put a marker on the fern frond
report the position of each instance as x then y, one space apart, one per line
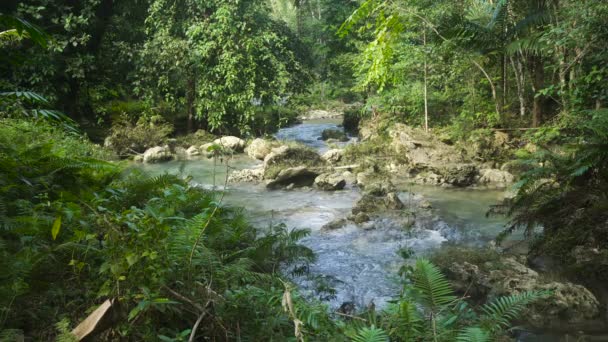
431 285
473 334
371 334
499 312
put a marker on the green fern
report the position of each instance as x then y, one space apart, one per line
432 287
371 334
498 313
473 334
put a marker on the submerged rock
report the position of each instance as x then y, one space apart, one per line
234 143
330 181
336 224
246 175
332 133
157 154
258 148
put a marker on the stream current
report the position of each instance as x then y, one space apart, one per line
360 264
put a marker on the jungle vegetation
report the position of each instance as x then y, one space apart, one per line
78 227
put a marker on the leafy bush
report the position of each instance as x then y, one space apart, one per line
561 200
126 138
77 230
268 119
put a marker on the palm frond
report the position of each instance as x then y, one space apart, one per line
499 312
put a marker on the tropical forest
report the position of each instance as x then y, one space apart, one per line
304 170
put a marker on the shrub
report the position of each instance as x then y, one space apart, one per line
127 138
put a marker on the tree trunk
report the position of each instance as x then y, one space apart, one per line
538 83
426 102
190 101
518 70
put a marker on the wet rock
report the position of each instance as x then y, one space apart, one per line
233 143
424 204
361 218
206 149
347 308
349 177
393 202
379 187
246 175
332 133
333 156
495 177
336 224
369 203
192 151
458 175
298 176
258 149
286 157
330 181
138 158
157 154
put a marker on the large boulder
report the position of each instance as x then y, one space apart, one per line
233 143
567 306
157 154
330 181
293 177
495 177
458 174
333 156
286 157
193 151
258 148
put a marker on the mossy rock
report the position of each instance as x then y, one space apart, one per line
288 157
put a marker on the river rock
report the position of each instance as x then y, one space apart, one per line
335 224
206 150
333 156
157 154
459 174
569 304
258 148
233 143
332 133
330 181
246 175
567 307
424 204
298 176
393 202
495 177
360 218
193 151
286 157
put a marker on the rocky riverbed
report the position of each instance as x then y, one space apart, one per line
362 209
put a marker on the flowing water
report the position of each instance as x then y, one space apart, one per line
360 264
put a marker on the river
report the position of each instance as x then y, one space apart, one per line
360 264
